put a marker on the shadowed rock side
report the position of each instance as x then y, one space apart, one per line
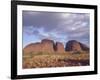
84 47
74 45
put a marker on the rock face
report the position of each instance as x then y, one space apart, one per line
60 47
74 45
45 46
84 47
49 46
33 47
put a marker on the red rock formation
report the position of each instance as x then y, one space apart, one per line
47 45
74 45
59 47
84 47
33 47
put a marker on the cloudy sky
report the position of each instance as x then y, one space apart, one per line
58 26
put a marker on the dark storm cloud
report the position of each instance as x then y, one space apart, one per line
38 19
57 26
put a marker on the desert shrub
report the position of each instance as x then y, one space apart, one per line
39 53
46 59
76 52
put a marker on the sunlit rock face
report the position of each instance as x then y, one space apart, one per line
33 47
47 45
59 47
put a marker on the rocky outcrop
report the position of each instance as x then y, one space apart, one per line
74 45
44 46
84 47
59 47
49 46
33 47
